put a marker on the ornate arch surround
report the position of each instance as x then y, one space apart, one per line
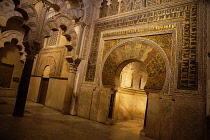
150 44
56 23
48 61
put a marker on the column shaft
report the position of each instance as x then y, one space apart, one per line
69 89
23 88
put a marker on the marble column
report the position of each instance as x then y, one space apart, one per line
112 103
69 88
142 132
23 87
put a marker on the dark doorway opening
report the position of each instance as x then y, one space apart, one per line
43 90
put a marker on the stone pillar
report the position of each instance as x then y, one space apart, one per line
23 87
70 87
82 27
142 132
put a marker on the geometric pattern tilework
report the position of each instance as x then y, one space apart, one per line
53 38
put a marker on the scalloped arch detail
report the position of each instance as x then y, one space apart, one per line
56 23
7 36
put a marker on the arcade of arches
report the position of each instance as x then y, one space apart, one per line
111 61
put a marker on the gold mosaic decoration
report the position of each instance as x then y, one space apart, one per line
108 44
139 51
164 41
186 15
136 50
157 73
141 30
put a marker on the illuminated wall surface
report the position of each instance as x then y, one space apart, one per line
112 60
187 16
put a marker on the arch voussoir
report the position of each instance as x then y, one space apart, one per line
109 60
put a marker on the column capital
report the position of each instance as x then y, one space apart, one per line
114 90
72 67
32 47
73 61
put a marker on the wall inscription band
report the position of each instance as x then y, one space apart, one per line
141 30
188 65
187 14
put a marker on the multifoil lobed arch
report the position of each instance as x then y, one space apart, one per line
10 35
57 23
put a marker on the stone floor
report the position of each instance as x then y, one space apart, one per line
43 123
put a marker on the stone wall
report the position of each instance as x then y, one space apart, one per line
188 117
129 105
8 92
34 87
93 103
50 63
180 117
55 93
177 111
104 104
84 102
10 55
175 28
153 116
